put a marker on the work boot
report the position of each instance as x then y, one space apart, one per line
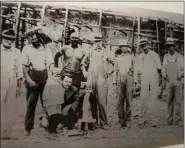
28 132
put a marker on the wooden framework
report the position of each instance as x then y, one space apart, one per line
38 11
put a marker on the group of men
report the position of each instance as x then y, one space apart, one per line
62 99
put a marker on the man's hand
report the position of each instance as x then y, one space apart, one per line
66 110
32 83
85 74
18 92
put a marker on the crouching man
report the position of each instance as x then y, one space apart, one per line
61 104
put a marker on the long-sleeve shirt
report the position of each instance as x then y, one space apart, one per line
147 65
176 57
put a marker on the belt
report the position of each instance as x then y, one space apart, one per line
38 70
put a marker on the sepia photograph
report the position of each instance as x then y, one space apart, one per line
91 74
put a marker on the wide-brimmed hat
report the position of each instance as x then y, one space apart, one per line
143 42
123 42
8 34
91 37
169 41
46 38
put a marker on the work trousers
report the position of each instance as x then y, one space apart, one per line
174 100
68 121
98 79
32 95
9 103
149 97
124 97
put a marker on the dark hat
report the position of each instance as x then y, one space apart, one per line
9 34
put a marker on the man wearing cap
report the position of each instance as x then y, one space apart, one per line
11 75
37 62
123 78
149 65
173 73
73 56
98 72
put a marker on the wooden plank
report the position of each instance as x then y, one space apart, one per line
100 20
8 16
17 24
157 30
30 19
118 28
65 25
138 31
1 22
147 35
43 12
134 27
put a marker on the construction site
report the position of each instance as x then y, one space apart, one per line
60 21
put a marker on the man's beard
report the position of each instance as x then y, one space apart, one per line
36 44
74 44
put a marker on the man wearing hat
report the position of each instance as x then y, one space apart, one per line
149 65
173 73
37 62
11 74
98 72
123 78
73 56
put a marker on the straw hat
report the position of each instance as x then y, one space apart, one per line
9 34
169 41
123 42
143 42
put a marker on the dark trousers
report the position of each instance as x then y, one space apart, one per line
68 121
124 92
32 95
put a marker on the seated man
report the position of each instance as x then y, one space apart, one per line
61 103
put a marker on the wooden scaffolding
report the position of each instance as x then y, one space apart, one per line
114 26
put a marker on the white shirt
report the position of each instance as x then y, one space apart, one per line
147 64
40 58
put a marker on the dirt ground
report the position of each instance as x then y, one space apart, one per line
115 136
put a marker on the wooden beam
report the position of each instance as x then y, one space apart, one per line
43 12
133 27
30 19
147 35
17 24
157 30
7 16
138 31
118 28
100 20
1 22
65 25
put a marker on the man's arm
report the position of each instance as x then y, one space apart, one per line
75 104
84 64
180 64
164 75
115 72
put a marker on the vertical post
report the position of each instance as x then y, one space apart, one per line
42 13
133 27
65 25
100 20
138 29
157 30
1 23
17 26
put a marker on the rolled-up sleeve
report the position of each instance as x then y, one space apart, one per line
180 64
157 61
24 57
50 59
164 66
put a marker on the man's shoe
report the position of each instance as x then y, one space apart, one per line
28 133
